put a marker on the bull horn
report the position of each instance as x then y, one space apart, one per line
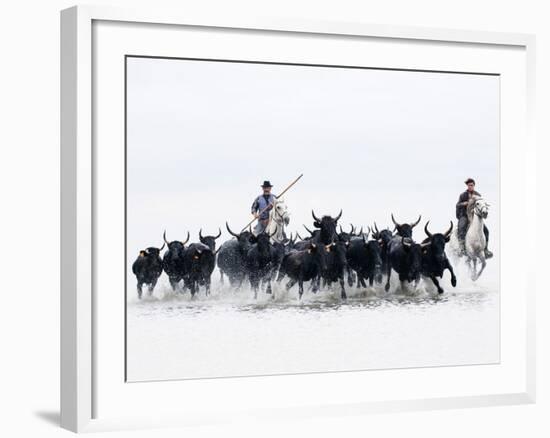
229 230
164 237
341 230
162 247
361 232
337 218
417 222
426 230
188 237
394 221
449 231
298 236
308 230
200 234
315 217
376 228
352 229
219 234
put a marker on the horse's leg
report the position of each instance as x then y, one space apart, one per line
474 268
483 264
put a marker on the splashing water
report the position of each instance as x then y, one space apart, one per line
228 333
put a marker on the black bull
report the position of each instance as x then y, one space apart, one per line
199 262
232 257
305 265
434 259
336 256
364 257
147 268
173 260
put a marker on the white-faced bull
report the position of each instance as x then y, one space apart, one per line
147 268
405 230
173 260
232 256
434 259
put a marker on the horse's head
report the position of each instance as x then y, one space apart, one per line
480 207
280 212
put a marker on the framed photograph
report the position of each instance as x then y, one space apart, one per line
284 217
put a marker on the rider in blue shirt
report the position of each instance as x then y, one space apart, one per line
260 203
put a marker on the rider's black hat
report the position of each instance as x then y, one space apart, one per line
266 184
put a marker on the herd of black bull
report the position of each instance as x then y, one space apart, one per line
326 257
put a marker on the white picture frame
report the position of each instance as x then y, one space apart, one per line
83 369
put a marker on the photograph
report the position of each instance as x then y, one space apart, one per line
287 218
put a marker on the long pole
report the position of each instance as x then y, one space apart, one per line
270 204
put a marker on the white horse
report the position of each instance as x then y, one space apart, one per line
279 217
475 242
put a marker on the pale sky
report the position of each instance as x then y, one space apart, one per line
202 136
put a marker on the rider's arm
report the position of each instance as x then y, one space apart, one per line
255 206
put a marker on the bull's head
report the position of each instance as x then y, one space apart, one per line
345 237
383 236
405 230
319 253
151 252
436 242
327 226
413 252
263 240
245 238
210 241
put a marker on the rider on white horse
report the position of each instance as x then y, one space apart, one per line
462 216
261 208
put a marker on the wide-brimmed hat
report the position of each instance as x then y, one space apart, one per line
266 184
